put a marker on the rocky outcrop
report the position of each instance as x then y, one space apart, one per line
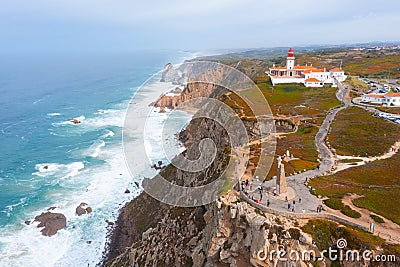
83 208
51 222
190 91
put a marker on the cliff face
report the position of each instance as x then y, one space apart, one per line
149 232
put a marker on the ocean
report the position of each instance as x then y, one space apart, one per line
47 161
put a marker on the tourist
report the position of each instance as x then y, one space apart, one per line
286 199
268 203
293 208
288 206
294 202
274 192
299 199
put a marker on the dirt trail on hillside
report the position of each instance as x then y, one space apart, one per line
387 230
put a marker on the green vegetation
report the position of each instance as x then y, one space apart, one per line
359 63
376 65
334 203
356 132
326 233
357 84
350 160
378 182
346 210
394 110
337 204
377 218
357 87
301 145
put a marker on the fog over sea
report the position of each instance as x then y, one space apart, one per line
48 161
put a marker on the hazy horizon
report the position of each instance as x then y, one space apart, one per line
106 25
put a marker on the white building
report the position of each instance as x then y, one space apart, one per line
308 75
373 98
313 82
391 99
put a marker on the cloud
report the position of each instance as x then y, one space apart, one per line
120 24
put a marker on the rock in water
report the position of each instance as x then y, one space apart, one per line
80 211
127 191
83 208
52 222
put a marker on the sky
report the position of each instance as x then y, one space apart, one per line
126 25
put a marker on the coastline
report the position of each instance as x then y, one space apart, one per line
97 175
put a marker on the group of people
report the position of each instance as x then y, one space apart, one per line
247 187
319 208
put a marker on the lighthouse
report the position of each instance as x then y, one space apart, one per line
290 61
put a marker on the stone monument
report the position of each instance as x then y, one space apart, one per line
281 186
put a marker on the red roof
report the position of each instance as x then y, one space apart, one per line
375 96
336 70
312 80
393 95
314 70
304 67
290 53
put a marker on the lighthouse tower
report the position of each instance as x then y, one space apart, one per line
290 62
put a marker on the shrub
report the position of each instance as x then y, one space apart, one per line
334 203
346 210
377 218
294 233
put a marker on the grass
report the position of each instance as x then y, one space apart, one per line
357 85
376 65
326 233
296 99
359 63
301 145
348 211
337 204
350 160
378 182
355 132
394 110
334 203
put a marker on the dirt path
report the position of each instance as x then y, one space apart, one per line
340 166
387 230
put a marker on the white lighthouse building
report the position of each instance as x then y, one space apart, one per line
308 75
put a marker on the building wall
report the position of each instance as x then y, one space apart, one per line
392 101
313 84
286 80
